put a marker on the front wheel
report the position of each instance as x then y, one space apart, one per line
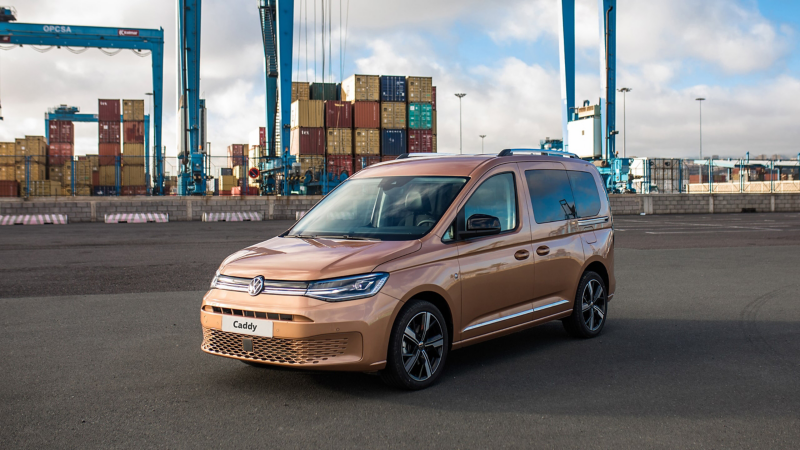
418 347
591 307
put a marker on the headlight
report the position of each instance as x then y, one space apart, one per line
350 288
214 280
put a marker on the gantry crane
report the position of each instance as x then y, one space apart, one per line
69 36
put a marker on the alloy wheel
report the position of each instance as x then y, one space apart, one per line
593 305
422 346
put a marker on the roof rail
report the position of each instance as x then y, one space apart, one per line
425 155
536 151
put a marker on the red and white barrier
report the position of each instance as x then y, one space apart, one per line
246 216
137 218
34 219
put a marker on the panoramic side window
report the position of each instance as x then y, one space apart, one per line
496 197
584 188
551 195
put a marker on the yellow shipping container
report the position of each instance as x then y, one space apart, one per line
301 91
368 142
108 175
133 155
8 173
361 88
33 146
133 110
239 171
227 182
83 172
8 154
94 161
56 173
434 144
420 89
133 176
308 113
45 188
38 172
393 115
339 141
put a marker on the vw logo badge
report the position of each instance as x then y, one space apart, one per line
256 286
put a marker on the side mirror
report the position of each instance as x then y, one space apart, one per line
481 225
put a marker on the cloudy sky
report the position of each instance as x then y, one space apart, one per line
742 55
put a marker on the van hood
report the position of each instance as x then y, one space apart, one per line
295 259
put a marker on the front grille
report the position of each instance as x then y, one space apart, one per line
275 350
256 314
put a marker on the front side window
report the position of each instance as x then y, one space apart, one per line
496 197
584 188
551 195
385 208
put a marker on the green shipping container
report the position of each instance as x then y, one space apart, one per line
420 116
325 91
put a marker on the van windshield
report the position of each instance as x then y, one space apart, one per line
385 208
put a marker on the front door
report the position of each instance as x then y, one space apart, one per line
496 271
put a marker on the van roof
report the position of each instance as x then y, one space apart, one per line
438 164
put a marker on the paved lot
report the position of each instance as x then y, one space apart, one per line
99 339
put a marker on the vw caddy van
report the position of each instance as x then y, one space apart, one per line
410 259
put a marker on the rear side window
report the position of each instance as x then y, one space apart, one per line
551 195
584 189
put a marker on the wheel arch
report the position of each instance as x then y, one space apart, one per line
599 268
437 300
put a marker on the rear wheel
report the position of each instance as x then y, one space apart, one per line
591 307
418 347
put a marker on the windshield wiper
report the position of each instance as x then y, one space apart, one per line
348 237
301 236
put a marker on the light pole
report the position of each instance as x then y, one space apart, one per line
482 137
624 91
460 140
700 169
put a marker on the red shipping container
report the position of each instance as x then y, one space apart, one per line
262 136
389 158
133 190
108 154
95 178
364 161
109 132
9 188
338 114
307 141
433 98
237 190
224 193
133 132
58 153
108 110
367 114
62 131
420 141
236 154
339 167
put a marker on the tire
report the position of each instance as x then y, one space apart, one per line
426 362
590 310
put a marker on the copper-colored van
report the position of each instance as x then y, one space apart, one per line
409 259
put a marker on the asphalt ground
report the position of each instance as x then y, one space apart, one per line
99 343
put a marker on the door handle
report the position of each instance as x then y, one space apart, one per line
521 254
543 250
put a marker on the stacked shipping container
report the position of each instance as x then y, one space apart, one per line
8 176
133 160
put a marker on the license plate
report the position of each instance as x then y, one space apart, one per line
246 325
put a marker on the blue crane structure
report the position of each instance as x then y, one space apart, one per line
72 114
191 110
137 39
614 170
277 26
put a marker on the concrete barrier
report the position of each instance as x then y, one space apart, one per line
94 209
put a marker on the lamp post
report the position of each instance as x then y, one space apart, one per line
482 137
700 169
460 140
624 91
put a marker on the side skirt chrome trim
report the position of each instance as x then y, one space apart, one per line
513 316
560 302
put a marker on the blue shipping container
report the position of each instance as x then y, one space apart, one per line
104 190
393 89
393 142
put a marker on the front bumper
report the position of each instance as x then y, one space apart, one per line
309 333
